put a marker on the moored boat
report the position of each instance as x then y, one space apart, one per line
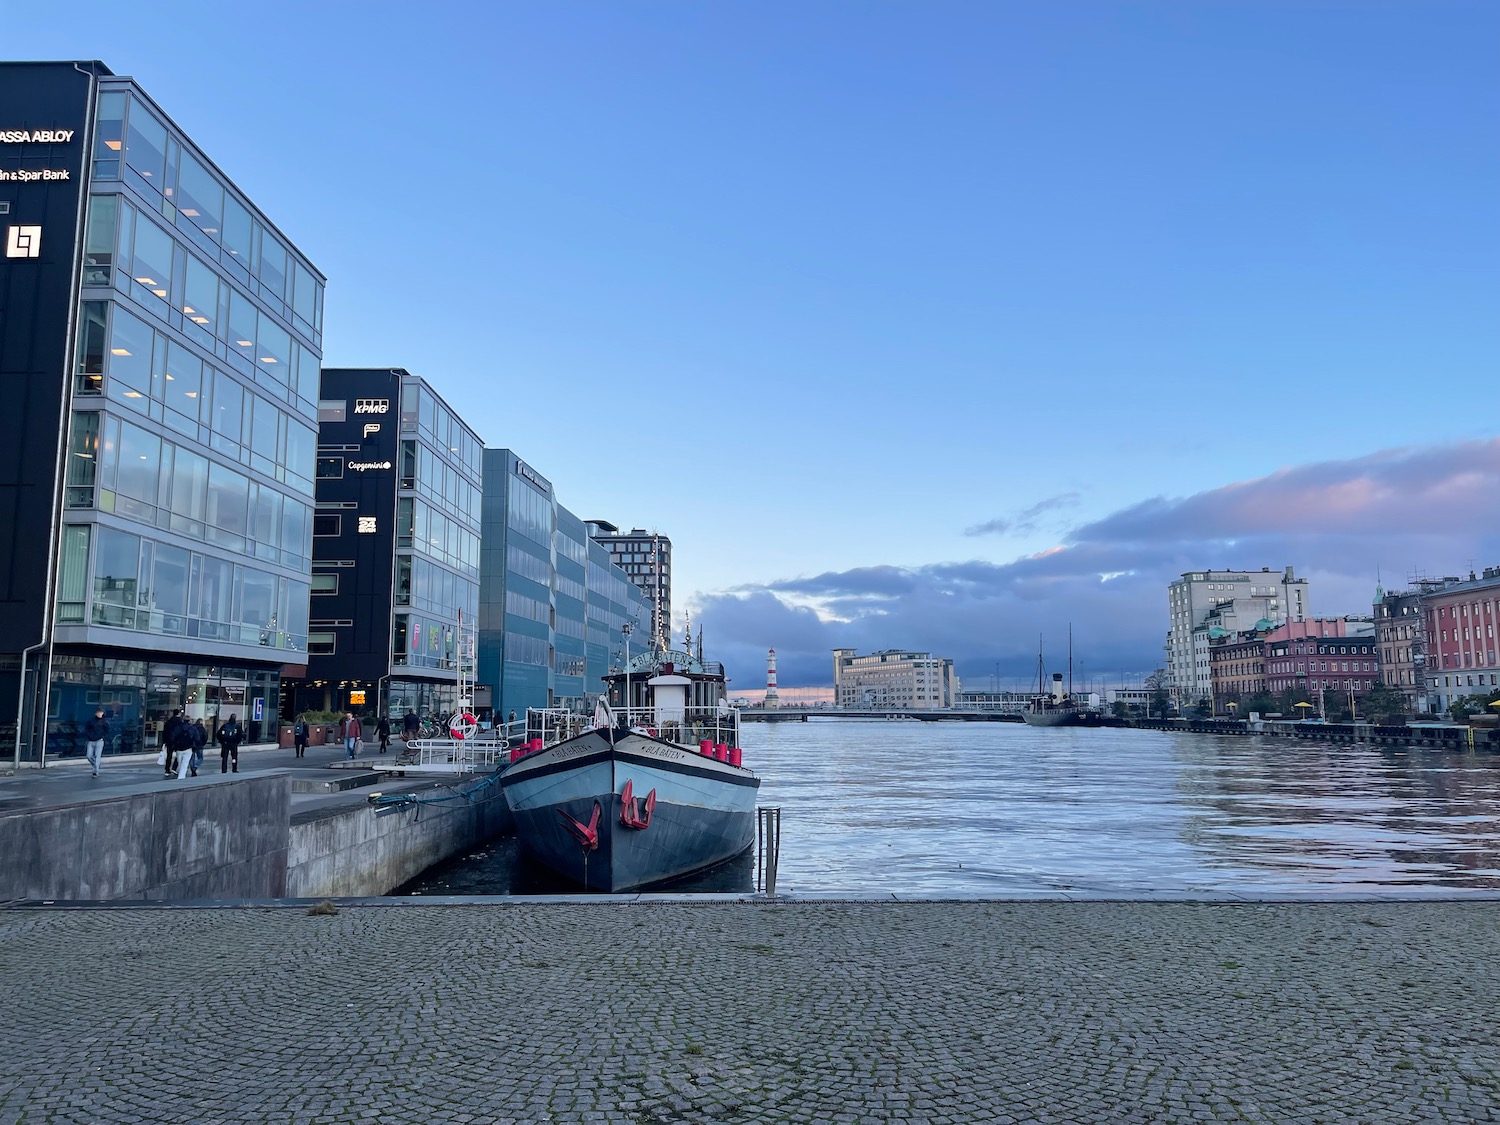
1057 708
652 789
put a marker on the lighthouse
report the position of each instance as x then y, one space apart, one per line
771 700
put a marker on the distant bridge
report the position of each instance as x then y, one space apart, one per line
804 714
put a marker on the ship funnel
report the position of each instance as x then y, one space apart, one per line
1057 688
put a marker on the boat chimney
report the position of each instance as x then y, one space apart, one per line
771 698
1057 688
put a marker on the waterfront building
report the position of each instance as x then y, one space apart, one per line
1237 666
395 571
552 604
646 556
1328 659
1461 646
893 679
1236 599
163 339
1401 635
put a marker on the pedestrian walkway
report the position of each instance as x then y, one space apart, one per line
657 1012
68 780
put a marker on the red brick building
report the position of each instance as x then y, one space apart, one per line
1461 643
1326 658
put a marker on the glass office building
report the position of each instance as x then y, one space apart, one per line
160 344
551 604
395 579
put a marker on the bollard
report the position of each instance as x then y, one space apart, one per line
768 848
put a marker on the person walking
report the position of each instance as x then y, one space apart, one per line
200 740
95 731
169 742
182 748
299 735
410 725
383 731
353 736
230 736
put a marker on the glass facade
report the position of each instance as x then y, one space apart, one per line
551 605
191 445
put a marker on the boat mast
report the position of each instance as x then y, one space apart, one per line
1070 660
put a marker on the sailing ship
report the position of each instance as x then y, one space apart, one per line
1056 708
652 789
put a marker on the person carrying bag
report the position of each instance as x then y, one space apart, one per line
230 737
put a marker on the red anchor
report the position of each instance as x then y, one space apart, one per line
587 835
630 807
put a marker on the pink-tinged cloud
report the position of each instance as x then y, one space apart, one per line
1402 511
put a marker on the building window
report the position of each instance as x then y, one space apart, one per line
326 526
323 583
330 468
321 644
332 410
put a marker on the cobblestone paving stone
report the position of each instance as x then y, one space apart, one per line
650 1013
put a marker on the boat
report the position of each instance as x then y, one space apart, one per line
651 789
1056 708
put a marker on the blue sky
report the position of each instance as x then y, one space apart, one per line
827 291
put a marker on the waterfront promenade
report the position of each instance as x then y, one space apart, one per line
662 1011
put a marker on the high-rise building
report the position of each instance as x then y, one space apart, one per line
893 679
395 571
553 607
646 557
1204 605
160 340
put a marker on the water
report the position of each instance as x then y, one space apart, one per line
998 808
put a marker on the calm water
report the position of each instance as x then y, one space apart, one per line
997 808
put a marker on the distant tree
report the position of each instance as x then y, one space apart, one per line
1161 699
1262 702
1120 709
1383 704
1467 705
1204 709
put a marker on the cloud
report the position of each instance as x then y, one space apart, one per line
1026 519
1403 510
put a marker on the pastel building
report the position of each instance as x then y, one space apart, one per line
893 679
1237 600
1461 620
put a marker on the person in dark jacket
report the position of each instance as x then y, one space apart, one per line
410 725
182 748
169 741
230 737
383 732
200 740
95 731
299 735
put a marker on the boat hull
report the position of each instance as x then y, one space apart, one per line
703 812
1058 718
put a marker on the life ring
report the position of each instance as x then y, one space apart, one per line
463 725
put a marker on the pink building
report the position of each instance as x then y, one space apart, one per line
1461 645
1324 657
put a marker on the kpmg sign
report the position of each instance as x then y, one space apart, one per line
523 470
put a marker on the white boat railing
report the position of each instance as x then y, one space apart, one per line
452 755
688 726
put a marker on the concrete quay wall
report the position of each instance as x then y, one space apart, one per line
207 841
1429 737
353 852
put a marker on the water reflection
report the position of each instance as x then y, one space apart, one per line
960 808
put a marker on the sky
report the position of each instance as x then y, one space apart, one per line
914 325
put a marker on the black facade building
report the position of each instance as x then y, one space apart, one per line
159 345
395 580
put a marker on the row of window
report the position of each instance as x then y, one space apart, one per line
1468 659
155 376
191 297
1470 633
122 468
132 145
1325 666
1464 610
424 411
136 583
529 512
423 584
426 473
422 527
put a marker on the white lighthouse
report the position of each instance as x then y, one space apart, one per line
771 700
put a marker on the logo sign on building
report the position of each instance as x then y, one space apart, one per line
372 406
524 471
367 523
23 242
258 710
371 428
356 697
36 136
366 466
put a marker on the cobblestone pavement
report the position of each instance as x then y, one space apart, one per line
739 1012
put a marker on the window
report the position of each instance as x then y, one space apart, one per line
115 571
200 199
325 583
130 360
83 459
151 266
332 410
99 241
320 644
330 468
146 147
72 590
92 337
327 526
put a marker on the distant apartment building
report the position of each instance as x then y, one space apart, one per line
1237 601
893 679
1237 666
1461 647
1401 634
1328 659
646 556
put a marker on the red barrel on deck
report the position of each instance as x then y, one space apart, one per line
706 747
721 751
735 755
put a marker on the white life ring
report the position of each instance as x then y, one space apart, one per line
463 725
